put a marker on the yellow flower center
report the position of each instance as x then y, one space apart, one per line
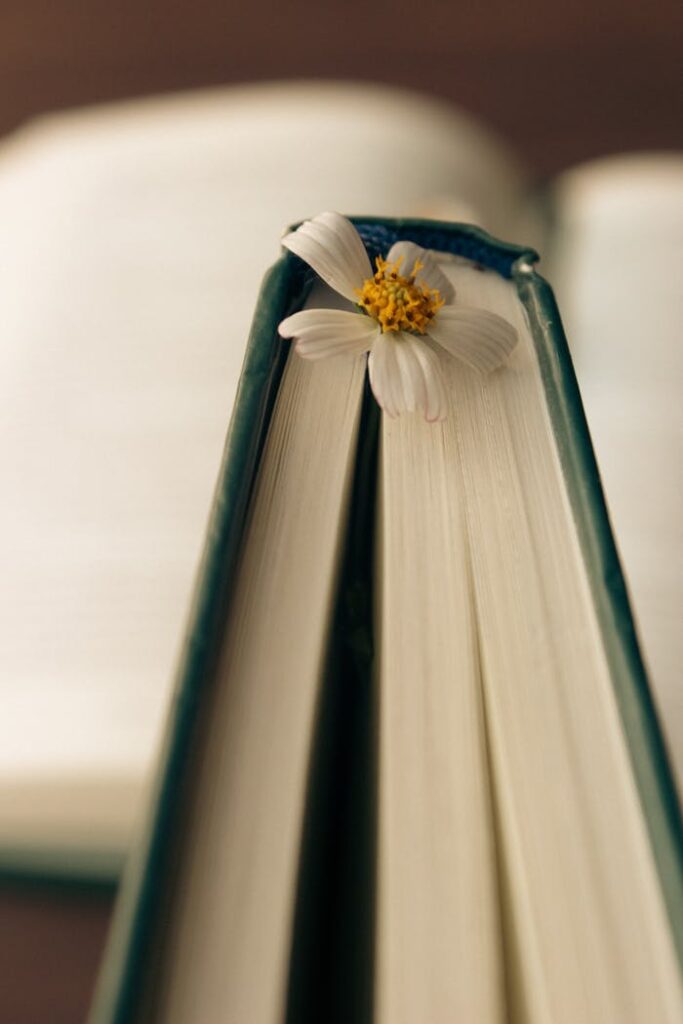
398 303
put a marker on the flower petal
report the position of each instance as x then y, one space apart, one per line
433 401
478 337
409 383
351 241
430 275
333 248
382 372
329 332
405 375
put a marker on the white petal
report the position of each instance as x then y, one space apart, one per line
409 382
349 239
478 337
432 400
329 332
431 274
333 248
382 372
405 375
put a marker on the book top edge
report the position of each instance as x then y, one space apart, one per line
458 239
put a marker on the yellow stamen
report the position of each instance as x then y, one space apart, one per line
397 303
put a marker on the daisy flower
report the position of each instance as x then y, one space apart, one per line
405 317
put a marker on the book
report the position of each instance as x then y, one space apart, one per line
135 239
414 770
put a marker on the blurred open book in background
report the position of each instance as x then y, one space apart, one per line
133 242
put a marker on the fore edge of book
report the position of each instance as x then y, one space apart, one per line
121 978
282 292
650 761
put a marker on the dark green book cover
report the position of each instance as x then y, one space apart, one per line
148 883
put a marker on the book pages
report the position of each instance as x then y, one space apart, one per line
228 940
594 942
439 945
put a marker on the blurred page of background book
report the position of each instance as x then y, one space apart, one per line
133 242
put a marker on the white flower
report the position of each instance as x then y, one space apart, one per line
404 320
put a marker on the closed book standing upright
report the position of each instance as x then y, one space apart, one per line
412 770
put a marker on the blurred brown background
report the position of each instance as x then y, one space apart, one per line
563 83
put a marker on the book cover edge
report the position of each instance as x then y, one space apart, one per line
644 736
121 976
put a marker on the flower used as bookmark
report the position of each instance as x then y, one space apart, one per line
406 317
